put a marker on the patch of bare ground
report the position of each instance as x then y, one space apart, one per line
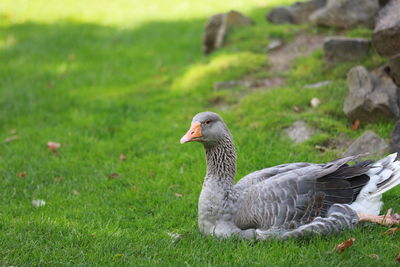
303 44
281 58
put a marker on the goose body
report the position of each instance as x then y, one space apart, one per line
288 200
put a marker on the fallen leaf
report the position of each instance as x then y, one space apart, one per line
374 256
355 125
133 188
122 157
113 175
76 192
119 255
392 231
38 203
11 138
344 245
53 146
296 109
22 174
321 148
315 102
71 57
178 195
58 179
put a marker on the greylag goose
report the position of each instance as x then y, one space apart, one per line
288 200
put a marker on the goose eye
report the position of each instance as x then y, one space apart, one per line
207 122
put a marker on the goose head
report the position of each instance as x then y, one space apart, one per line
207 128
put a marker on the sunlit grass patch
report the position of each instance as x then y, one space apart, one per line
220 67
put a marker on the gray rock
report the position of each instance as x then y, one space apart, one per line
230 85
346 13
394 69
299 132
341 49
370 143
371 97
386 35
280 15
395 139
217 27
297 13
317 85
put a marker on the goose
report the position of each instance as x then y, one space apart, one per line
289 200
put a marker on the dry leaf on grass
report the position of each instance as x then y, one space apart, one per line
22 174
122 157
355 125
113 175
374 256
344 245
11 138
53 146
178 195
76 192
58 179
392 231
296 109
133 188
119 255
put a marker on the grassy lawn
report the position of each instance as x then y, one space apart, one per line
106 78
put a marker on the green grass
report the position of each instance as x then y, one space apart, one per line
105 78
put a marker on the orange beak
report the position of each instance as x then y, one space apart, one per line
194 132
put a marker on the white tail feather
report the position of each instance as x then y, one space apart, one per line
369 198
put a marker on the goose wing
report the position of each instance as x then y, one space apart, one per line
296 196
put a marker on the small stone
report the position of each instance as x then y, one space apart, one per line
297 13
342 49
274 44
370 143
299 132
280 15
315 102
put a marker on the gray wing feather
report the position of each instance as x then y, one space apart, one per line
284 199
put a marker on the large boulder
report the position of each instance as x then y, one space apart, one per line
297 13
370 143
386 37
341 49
372 96
346 13
395 139
217 27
